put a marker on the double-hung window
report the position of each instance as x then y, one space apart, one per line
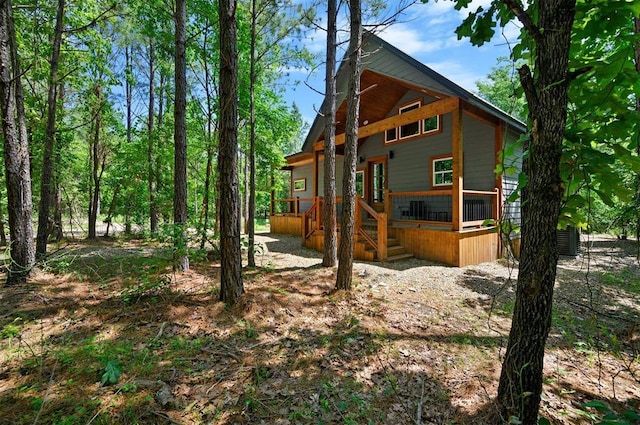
442 171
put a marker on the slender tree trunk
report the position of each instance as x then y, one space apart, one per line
636 25
56 195
330 256
3 235
160 142
521 378
231 286
181 260
204 225
96 155
57 209
153 208
207 191
345 266
49 137
216 196
16 152
112 208
244 196
251 204
128 89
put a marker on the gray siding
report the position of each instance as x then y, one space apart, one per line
410 168
479 154
511 210
305 171
339 168
511 136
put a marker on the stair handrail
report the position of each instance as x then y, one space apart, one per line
381 220
315 207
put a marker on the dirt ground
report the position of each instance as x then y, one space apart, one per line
106 333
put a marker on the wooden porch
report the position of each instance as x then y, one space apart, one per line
418 223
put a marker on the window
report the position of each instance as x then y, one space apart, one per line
378 181
442 171
409 131
300 185
413 129
360 182
391 135
431 125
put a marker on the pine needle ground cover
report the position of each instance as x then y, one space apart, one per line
107 334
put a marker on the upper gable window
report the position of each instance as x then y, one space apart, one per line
431 125
414 129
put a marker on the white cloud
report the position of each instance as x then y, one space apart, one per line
420 40
459 73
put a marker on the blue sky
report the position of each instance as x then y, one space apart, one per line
425 32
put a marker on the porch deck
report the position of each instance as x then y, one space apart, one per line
421 222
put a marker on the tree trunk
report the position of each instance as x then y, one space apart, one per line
231 286
181 259
96 154
57 210
207 190
112 209
160 143
636 25
521 378
56 195
251 204
49 137
204 214
3 234
153 208
16 152
345 266
329 257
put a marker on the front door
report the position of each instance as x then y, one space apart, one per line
377 182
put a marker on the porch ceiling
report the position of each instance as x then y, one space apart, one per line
379 93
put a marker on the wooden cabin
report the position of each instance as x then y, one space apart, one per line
427 155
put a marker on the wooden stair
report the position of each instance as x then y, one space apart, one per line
395 251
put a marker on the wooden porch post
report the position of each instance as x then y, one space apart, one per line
358 213
382 237
303 227
458 170
316 155
387 201
273 194
497 214
499 137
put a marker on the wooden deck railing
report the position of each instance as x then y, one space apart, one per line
293 207
436 206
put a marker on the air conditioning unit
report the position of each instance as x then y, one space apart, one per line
569 241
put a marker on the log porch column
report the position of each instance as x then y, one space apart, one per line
458 170
500 137
273 193
316 155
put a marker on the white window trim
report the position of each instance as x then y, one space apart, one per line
304 184
435 173
435 130
386 133
401 110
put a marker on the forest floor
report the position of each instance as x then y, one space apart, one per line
105 333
